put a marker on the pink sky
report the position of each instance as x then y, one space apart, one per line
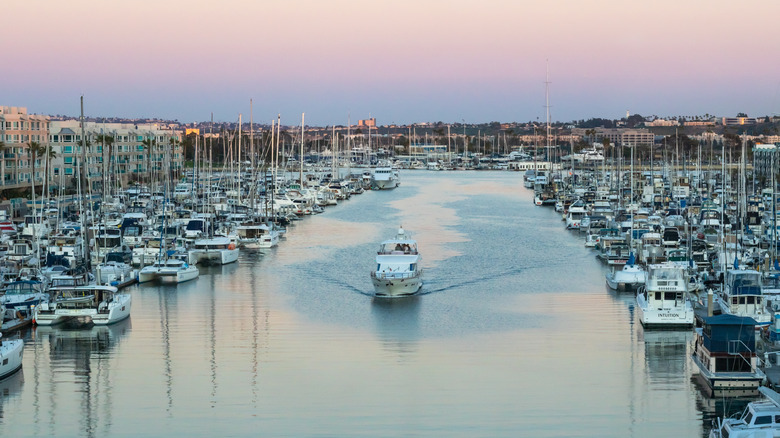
401 61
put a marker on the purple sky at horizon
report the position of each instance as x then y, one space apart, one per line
399 61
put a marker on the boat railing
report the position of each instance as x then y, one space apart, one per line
395 275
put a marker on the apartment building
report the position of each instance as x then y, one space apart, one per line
764 157
626 137
17 130
116 153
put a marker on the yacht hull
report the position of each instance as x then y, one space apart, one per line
117 311
681 316
390 287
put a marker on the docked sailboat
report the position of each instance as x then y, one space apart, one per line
101 304
398 270
663 302
172 270
217 250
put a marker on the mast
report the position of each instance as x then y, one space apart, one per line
239 159
300 175
83 213
547 113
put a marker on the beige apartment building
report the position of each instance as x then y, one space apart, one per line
116 153
17 130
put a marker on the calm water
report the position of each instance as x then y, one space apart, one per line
514 335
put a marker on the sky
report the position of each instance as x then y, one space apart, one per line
400 61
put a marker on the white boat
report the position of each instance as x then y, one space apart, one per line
10 356
630 278
663 301
385 177
742 296
576 213
253 236
217 250
398 271
102 304
117 266
760 418
171 270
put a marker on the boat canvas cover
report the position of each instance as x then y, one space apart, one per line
721 333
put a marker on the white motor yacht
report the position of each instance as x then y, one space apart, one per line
10 356
398 271
629 279
760 418
576 213
742 296
385 177
169 270
663 302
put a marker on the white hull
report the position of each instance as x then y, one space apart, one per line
628 279
385 184
396 287
680 316
217 256
168 276
117 310
10 351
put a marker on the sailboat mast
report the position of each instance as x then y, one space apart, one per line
300 158
83 213
239 159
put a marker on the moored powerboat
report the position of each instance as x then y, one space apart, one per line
663 301
630 278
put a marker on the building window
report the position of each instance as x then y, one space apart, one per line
68 160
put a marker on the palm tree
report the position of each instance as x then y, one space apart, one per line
49 154
106 141
35 149
2 161
173 141
148 144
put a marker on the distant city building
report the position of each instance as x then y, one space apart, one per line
626 137
732 121
17 130
699 123
662 122
367 123
763 157
189 131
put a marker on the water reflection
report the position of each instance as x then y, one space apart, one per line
10 387
82 356
397 323
666 357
